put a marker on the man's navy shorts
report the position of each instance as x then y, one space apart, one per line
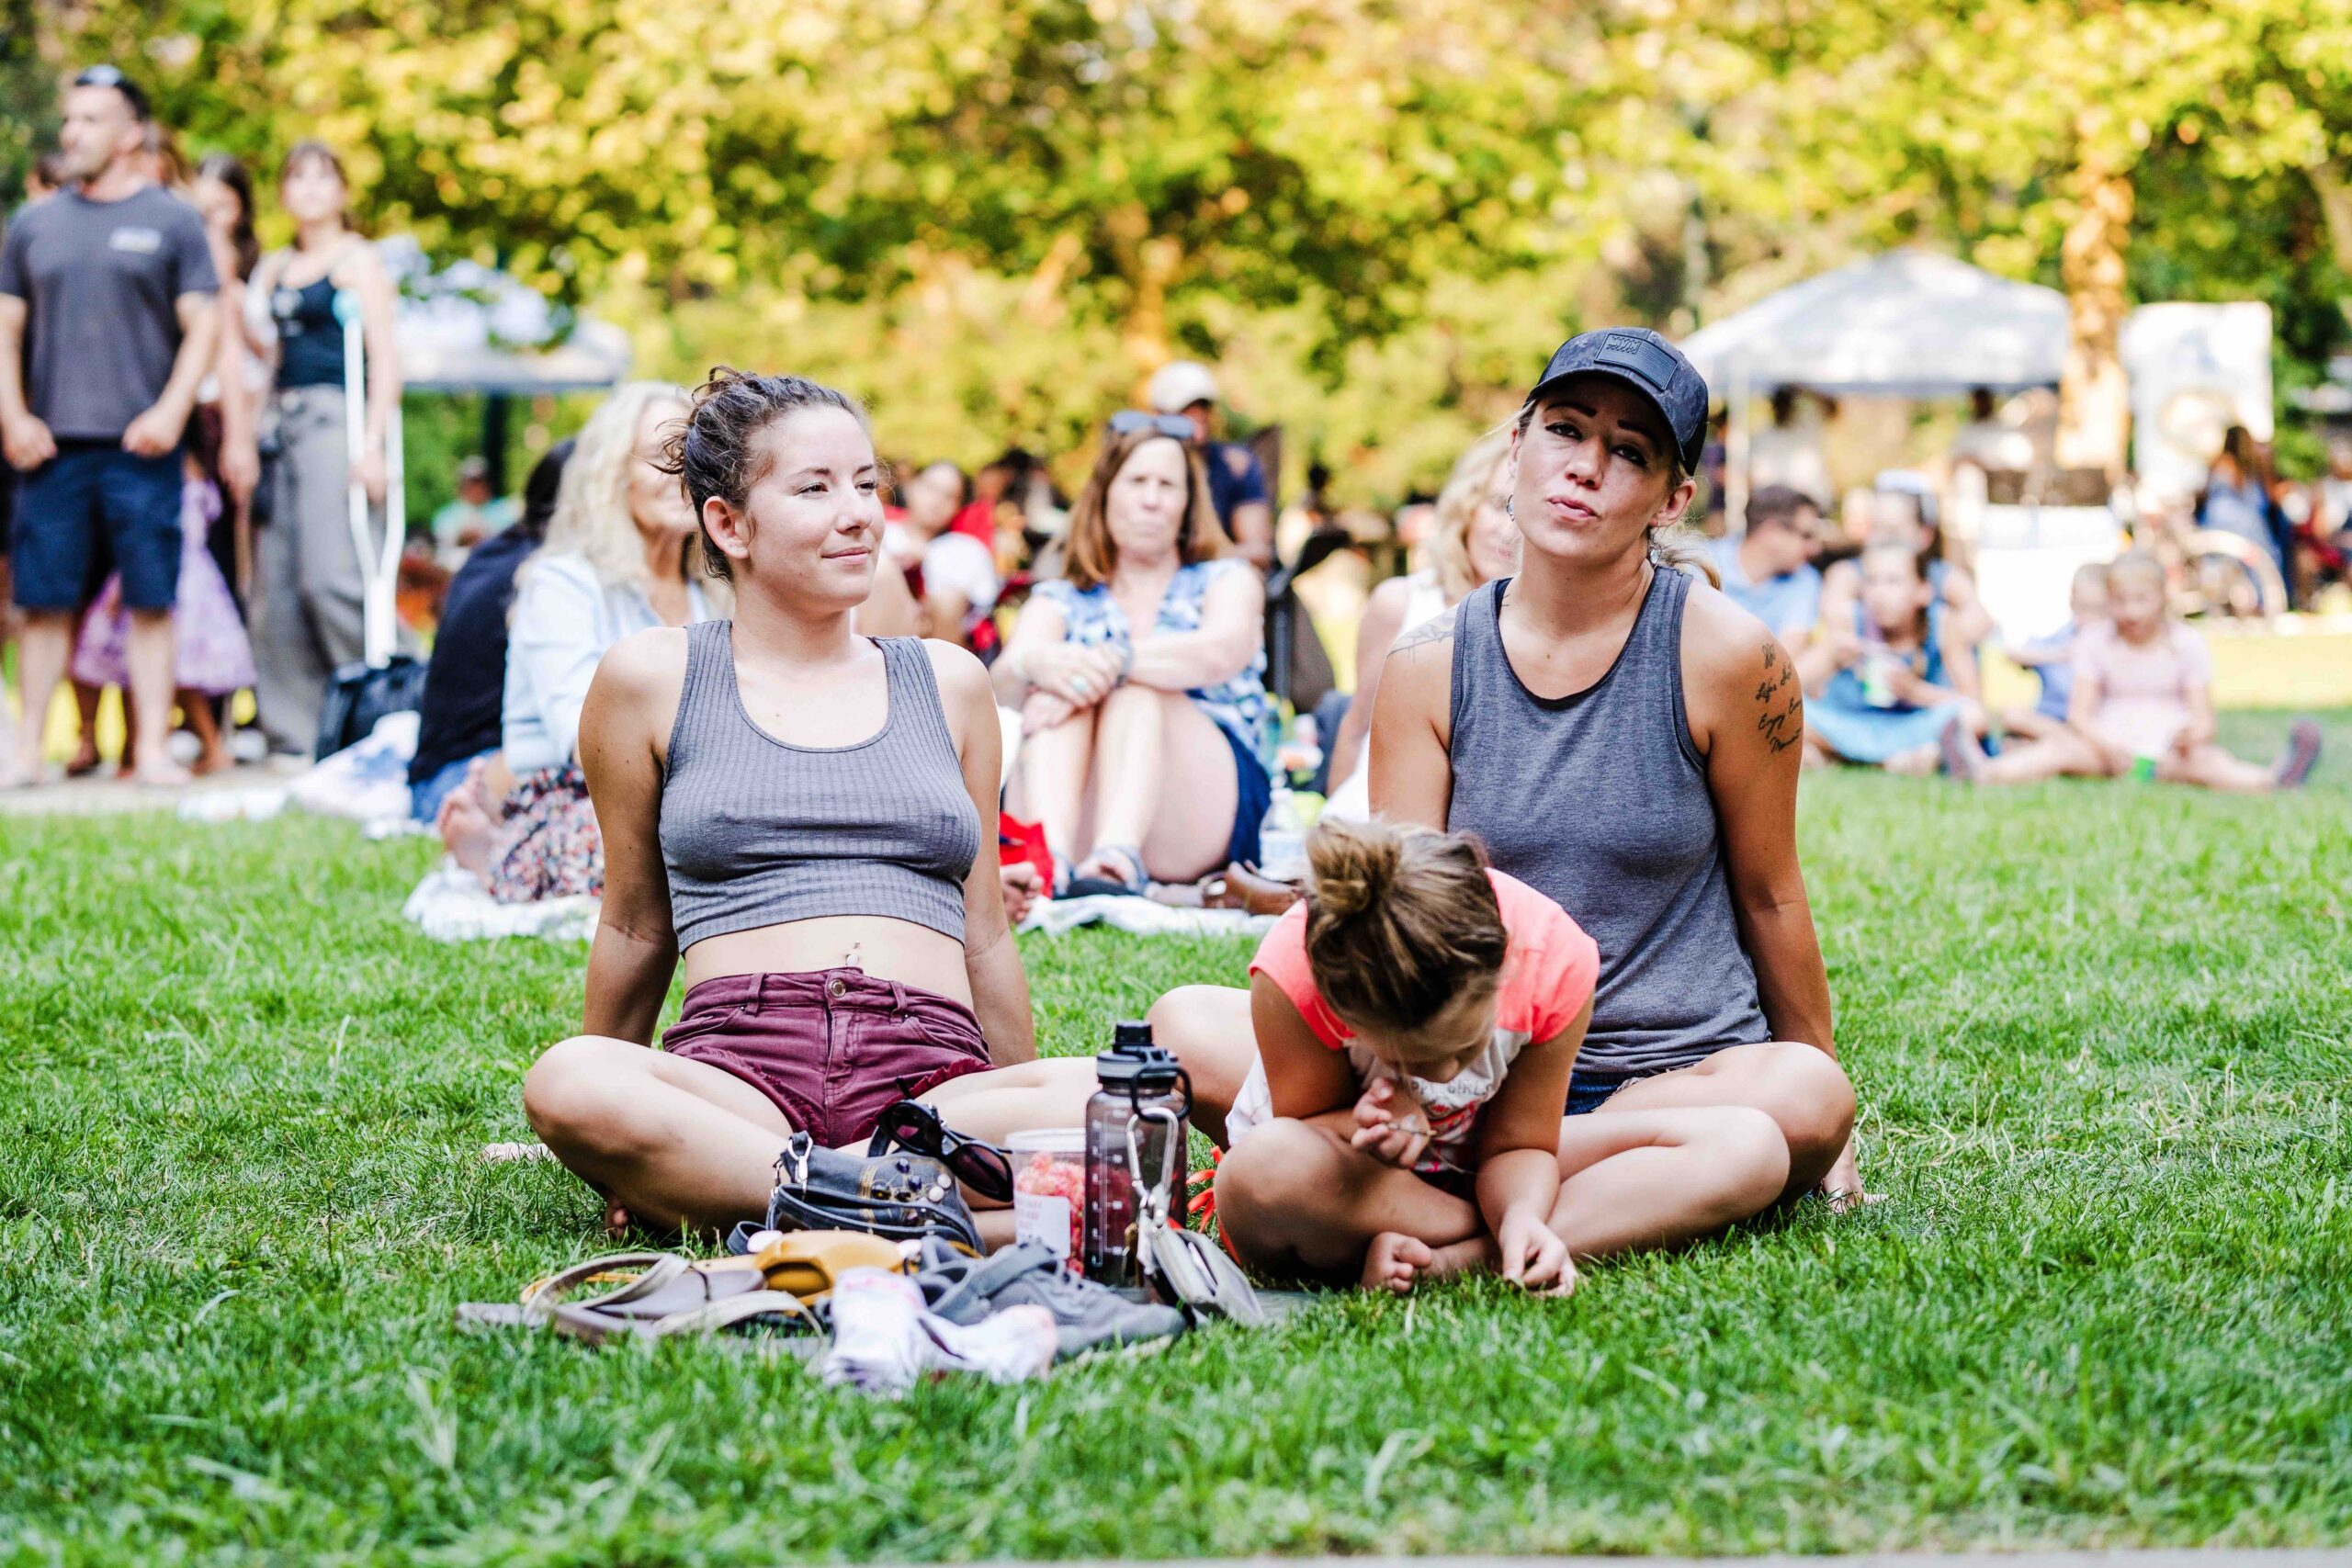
92 504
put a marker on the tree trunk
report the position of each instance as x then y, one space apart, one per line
2336 207
2094 400
1149 262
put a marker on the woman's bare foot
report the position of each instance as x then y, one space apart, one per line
159 773
466 831
1397 1262
1915 764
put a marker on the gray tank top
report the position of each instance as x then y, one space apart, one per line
756 831
1599 801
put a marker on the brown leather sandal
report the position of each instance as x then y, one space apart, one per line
1244 887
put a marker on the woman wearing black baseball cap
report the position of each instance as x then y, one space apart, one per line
1625 739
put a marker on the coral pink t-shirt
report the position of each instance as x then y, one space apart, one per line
2143 688
1550 968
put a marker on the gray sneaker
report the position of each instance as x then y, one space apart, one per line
1087 1316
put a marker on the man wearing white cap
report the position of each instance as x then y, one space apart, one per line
1237 486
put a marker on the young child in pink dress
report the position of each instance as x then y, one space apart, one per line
2143 707
211 658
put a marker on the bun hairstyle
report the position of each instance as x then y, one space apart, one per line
717 451
1399 922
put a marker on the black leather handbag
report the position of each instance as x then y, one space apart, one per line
361 694
901 1196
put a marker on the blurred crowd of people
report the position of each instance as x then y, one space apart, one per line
200 440
192 479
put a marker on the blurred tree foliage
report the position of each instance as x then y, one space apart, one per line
993 218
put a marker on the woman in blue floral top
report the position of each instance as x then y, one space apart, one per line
1149 729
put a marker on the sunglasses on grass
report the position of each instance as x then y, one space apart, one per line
916 1128
1128 422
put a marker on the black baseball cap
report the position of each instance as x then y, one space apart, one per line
1652 366
112 76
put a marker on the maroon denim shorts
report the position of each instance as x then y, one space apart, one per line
832 1048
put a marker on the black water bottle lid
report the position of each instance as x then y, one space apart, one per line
1134 1062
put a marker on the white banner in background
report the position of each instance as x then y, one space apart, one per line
2195 370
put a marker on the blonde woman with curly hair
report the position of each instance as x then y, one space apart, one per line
1474 543
623 554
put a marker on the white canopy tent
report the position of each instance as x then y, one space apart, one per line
470 328
1906 324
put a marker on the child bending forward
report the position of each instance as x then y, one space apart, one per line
1417 1017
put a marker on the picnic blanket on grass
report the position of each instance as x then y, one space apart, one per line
451 905
1141 916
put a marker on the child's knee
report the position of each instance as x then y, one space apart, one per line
1272 1171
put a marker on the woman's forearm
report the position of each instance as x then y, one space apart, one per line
1790 980
1001 1000
628 978
1183 661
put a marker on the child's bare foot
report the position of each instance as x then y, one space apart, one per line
1397 1262
1394 1262
85 761
214 759
466 831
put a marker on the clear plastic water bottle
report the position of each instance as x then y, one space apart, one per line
1281 838
1135 1077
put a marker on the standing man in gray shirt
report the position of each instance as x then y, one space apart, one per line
115 282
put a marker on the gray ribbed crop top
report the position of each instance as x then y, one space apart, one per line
757 831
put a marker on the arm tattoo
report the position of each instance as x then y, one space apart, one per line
1780 701
1437 628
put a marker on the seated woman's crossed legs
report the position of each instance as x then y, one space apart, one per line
1295 1197
673 1144
1804 1090
1141 770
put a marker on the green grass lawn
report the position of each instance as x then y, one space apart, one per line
2099 1036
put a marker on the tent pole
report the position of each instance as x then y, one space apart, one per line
1735 454
493 439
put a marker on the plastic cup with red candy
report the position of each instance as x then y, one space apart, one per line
1049 1189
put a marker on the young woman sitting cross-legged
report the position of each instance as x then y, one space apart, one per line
809 818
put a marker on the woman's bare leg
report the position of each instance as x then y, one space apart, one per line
1802 1090
993 1105
670 1142
1055 767
2062 754
2029 724
1644 1179
2209 767
1208 1029
1294 1196
214 758
1163 782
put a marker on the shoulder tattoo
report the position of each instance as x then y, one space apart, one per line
1437 628
1779 700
